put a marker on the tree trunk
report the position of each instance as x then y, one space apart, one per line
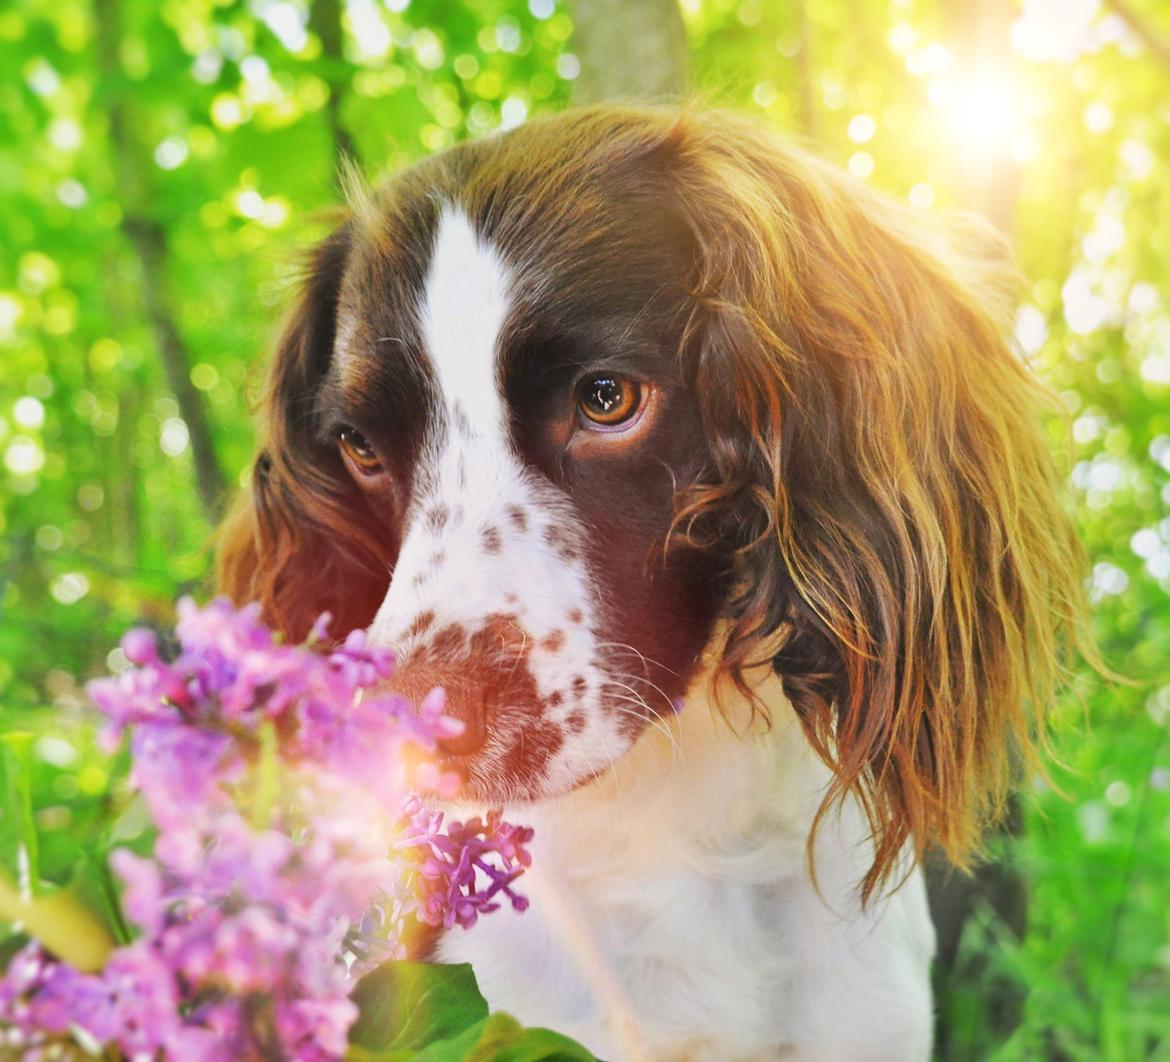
325 22
149 241
630 49
147 238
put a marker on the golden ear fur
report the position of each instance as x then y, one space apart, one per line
903 551
300 541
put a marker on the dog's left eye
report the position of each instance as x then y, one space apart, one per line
354 445
609 400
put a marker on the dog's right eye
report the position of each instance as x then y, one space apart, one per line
357 450
608 401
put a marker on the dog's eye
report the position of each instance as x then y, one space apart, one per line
609 400
357 448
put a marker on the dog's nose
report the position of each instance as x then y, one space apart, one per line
472 713
415 681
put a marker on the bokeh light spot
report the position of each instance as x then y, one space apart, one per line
174 437
24 456
861 164
861 128
69 588
28 412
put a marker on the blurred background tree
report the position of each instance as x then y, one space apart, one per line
164 165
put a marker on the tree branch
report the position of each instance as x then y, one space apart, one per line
325 22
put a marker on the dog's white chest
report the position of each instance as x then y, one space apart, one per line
639 965
672 916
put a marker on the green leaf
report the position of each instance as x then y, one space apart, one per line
498 1038
18 830
501 1038
94 886
407 1005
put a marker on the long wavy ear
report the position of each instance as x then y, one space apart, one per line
301 543
902 556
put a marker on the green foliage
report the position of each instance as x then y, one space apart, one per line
501 1038
406 1005
429 1012
19 844
164 165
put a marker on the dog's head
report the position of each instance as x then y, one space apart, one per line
555 403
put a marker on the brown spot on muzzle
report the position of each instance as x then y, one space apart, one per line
490 687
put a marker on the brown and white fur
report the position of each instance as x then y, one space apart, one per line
741 648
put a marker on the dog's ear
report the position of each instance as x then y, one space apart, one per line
300 542
903 554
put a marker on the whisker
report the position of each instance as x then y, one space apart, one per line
656 688
676 754
646 661
656 719
588 762
520 651
609 756
666 724
646 306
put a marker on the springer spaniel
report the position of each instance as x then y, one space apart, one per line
707 483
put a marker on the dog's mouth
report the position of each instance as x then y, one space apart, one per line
481 784
516 762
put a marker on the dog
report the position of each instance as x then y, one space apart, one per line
708 484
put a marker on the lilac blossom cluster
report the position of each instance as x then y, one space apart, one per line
292 849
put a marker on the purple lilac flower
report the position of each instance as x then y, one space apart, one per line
463 880
259 906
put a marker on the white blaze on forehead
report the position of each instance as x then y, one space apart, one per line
487 535
464 308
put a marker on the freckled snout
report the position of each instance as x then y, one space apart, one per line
485 674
